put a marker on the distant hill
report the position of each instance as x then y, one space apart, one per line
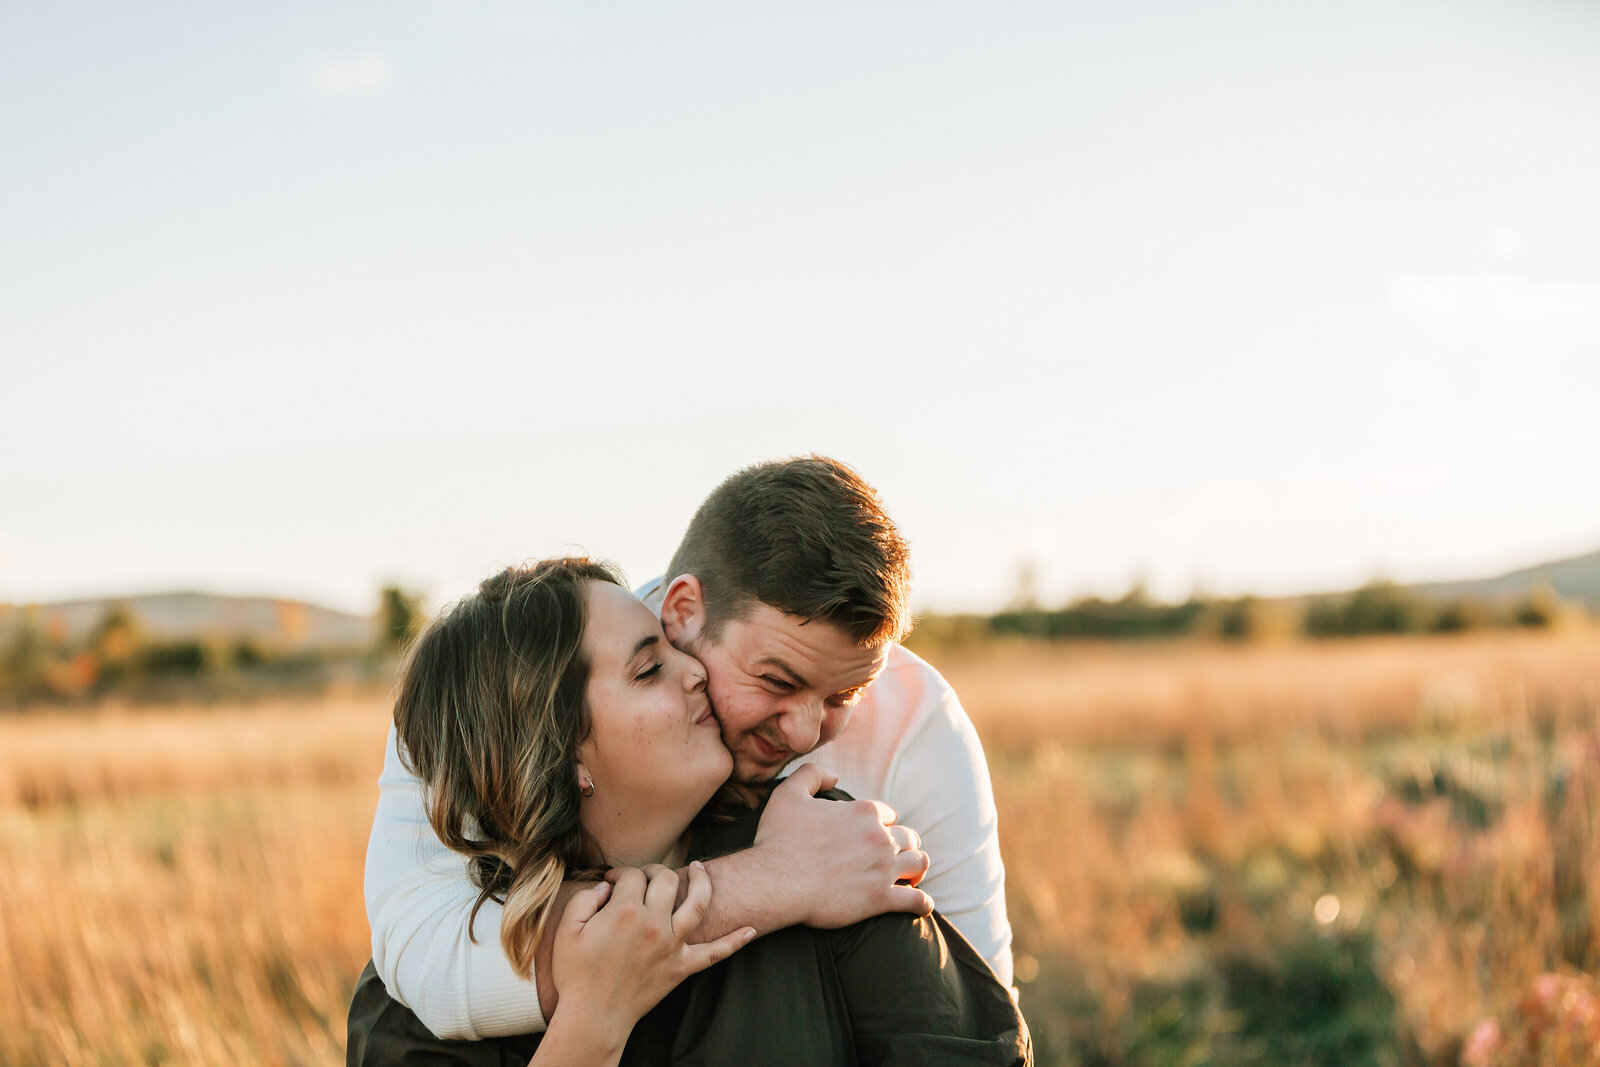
272 622
1576 579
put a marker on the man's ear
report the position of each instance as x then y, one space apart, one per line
683 610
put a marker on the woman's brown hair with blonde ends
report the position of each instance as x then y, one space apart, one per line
490 713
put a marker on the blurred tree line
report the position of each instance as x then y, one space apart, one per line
1381 607
119 658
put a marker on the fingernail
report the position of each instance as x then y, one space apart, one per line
697 865
748 934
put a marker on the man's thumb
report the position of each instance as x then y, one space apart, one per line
812 779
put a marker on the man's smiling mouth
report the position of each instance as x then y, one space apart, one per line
768 751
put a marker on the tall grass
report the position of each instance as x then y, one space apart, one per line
184 887
1358 852
1176 820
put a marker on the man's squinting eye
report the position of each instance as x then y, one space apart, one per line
777 683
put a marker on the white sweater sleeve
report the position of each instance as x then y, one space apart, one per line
419 900
939 786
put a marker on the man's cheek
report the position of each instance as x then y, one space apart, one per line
743 711
735 726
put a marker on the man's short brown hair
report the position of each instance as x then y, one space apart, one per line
809 537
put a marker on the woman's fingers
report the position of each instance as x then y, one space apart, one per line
688 918
655 927
692 912
662 892
583 905
697 958
628 885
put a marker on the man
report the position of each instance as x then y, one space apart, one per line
790 585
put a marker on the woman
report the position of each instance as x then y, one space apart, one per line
559 734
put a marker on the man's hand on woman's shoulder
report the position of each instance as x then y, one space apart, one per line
836 862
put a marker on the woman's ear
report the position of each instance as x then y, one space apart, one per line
585 782
683 610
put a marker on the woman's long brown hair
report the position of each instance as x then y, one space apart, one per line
490 712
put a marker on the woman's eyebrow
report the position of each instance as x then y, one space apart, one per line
644 643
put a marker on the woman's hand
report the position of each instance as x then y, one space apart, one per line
620 949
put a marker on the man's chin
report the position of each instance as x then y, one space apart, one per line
752 770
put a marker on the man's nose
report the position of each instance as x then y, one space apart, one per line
802 725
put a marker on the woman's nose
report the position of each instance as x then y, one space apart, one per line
694 679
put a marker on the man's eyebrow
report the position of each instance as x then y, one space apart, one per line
873 678
853 690
794 675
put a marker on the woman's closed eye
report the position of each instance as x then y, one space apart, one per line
648 673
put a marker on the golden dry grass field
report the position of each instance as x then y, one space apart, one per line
1344 852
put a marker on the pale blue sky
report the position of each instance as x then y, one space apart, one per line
296 298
